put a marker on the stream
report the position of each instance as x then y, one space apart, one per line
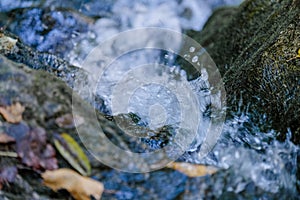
253 164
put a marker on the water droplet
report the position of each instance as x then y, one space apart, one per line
192 49
186 56
195 59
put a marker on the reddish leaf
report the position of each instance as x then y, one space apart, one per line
4 139
8 175
35 152
65 121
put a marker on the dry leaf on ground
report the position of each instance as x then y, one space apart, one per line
65 121
73 153
8 175
192 170
34 150
13 113
4 138
80 187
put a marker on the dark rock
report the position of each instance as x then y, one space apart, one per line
254 47
227 186
12 48
163 184
38 89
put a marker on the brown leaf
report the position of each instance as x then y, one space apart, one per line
65 121
13 113
4 138
35 152
192 170
80 187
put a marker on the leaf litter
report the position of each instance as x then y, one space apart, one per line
192 170
5 139
80 187
35 152
8 175
13 113
73 153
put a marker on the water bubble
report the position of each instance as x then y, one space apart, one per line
192 49
187 56
195 59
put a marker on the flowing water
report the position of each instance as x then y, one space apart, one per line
254 165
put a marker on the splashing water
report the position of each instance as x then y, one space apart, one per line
122 15
253 157
249 156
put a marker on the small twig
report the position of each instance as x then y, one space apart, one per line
294 58
9 154
297 56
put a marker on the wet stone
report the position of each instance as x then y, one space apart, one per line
47 30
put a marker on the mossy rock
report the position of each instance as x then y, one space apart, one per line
255 48
46 97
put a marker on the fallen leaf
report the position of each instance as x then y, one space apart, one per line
73 153
65 121
13 113
4 138
8 175
34 150
7 44
80 187
192 170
